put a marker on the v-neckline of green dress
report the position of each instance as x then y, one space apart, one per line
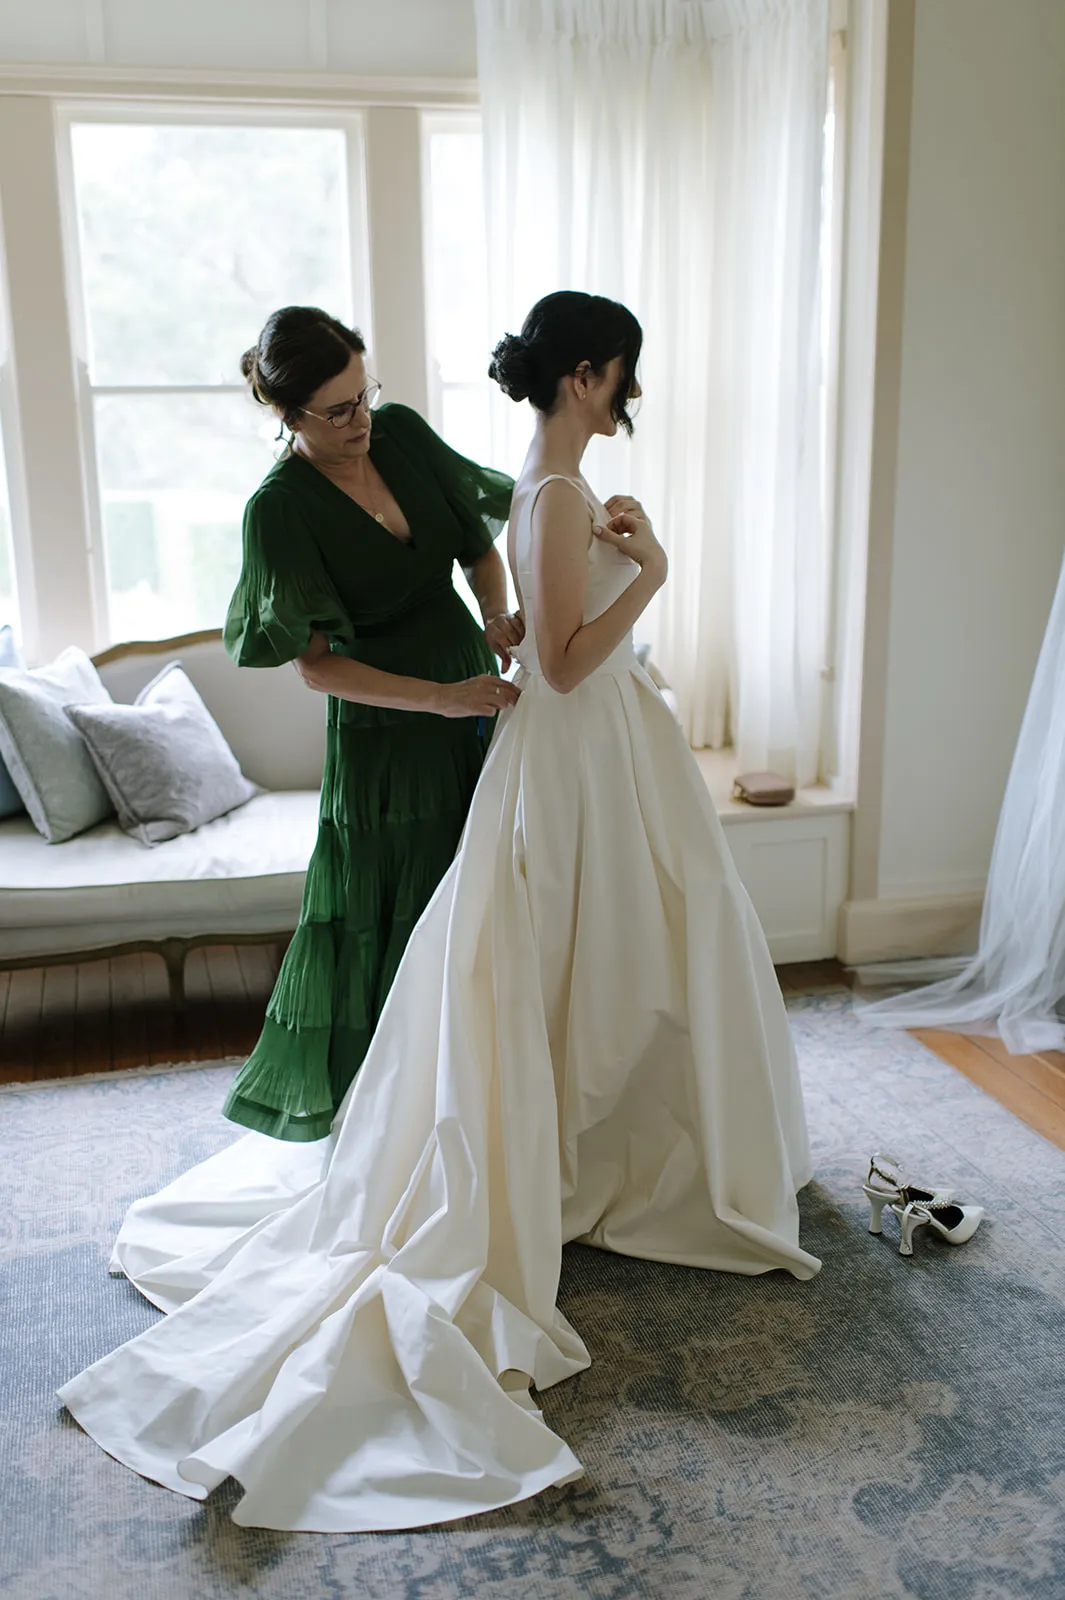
382 527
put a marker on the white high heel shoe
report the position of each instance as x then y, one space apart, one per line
954 1222
915 1205
884 1185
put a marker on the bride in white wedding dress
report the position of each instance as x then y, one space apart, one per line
585 1041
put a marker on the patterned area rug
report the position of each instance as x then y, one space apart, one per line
894 1428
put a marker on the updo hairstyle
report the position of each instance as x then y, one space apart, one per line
299 349
560 332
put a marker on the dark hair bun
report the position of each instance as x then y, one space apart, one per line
561 331
299 349
249 366
512 366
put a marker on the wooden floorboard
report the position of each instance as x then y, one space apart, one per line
10 1071
100 1016
198 1019
813 977
230 996
1008 1079
1035 1070
22 1017
259 965
129 1032
92 1022
159 1018
54 1037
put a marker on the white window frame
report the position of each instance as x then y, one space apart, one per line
350 122
439 122
11 465
44 386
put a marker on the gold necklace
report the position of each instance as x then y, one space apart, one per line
378 516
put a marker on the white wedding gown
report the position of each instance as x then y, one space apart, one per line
586 1041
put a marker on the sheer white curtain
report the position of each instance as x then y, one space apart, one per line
1015 984
668 153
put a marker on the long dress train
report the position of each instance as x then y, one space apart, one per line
585 1040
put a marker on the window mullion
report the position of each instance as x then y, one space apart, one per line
58 597
167 388
397 275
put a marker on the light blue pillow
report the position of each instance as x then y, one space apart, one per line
46 756
10 799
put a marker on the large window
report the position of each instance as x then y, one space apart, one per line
456 283
188 236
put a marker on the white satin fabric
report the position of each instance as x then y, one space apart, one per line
585 1040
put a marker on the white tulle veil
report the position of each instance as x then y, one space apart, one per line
1015 984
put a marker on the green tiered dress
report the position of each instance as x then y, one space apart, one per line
397 784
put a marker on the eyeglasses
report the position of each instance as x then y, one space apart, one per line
341 416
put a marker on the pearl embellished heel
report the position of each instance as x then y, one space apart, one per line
946 1216
915 1205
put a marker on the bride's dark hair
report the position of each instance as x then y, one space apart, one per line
560 332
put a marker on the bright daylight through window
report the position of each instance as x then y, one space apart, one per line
188 237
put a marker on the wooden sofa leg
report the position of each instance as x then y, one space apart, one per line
173 952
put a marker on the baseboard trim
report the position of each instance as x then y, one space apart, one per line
896 930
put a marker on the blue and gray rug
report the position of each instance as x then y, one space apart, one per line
894 1428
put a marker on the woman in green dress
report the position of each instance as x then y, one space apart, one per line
350 544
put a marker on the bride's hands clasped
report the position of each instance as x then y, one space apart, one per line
629 530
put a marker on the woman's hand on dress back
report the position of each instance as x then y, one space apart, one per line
629 530
475 697
503 633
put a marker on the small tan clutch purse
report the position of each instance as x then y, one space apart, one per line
763 789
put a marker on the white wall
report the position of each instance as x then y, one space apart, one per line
979 519
397 38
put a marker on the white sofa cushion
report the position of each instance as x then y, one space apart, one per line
274 724
240 874
163 760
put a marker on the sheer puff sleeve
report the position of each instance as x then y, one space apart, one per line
284 594
479 496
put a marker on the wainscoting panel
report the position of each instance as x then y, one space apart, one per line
795 871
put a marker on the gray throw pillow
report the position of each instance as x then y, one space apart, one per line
164 760
10 799
43 750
